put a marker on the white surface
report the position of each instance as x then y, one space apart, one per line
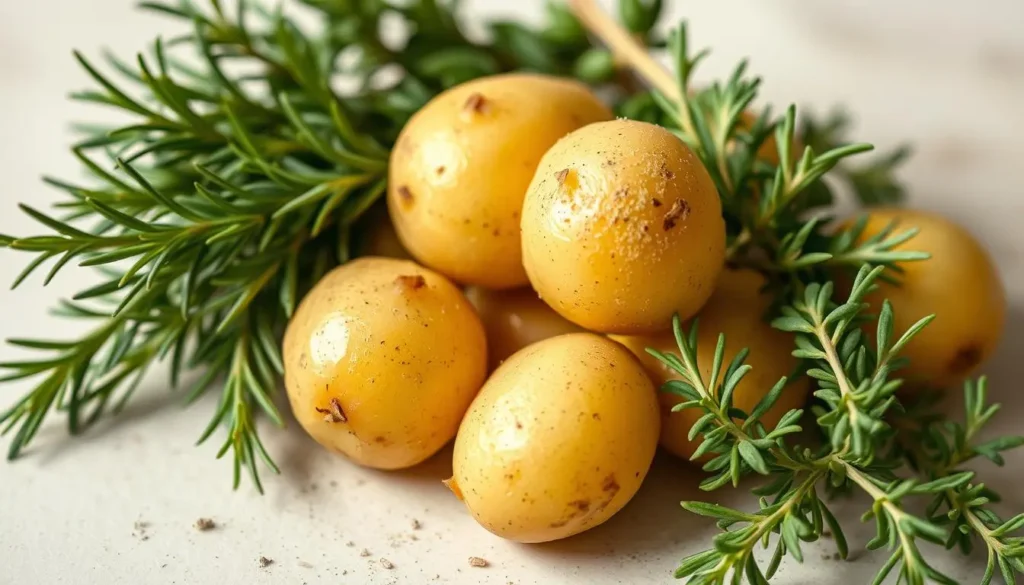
948 76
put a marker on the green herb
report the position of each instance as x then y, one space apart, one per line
254 150
238 179
765 208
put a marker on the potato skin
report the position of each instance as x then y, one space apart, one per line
622 227
394 347
558 440
959 284
736 309
461 166
379 237
514 319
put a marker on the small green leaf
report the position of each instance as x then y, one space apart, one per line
753 457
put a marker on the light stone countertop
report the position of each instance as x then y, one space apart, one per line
117 504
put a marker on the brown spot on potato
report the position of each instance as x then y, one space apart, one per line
477 103
405 193
667 173
559 523
380 440
610 485
680 210
439 170
411 282
656 202
581 505
621 192
561 176
595 416
334 412
519 425
965 359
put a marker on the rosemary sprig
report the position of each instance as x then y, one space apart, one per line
249 154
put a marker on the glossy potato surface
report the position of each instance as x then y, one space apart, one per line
514 319
959 284
382 358
558 440
735 309
461 166
622 227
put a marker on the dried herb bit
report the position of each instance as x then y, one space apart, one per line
265 562
478 562
561 176
364 553
333 414
416 525
680 210
386 564
204 524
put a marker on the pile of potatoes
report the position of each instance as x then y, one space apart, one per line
535 247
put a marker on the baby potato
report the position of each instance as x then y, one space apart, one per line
382 358
558 440
959 284
514 319
380 238
461 166
736 309
622 227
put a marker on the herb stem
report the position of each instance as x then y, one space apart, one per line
625 47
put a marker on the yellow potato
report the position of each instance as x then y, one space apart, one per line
514 319
380 238
382 358
461 166
735 309
558 440
622 227
959 284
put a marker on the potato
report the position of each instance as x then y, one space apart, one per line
382 358
558 440
514 319
622 227
735 309
959 284
462 164
380 238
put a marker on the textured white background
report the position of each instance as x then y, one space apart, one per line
948 76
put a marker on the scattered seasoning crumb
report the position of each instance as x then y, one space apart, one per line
562 175
364 553
305 565
265 562
478 562
350 544
344 571
386 563
333 483
416 524
140 530
836 556
163 566
205 524
334 414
